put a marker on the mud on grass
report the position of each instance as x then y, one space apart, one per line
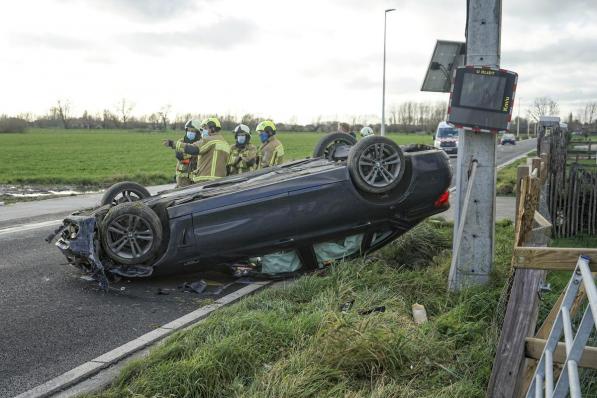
293 341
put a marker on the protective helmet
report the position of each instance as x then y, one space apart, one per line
242 129
212 122
268 126
366 131
193 124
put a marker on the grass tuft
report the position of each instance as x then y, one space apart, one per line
293 340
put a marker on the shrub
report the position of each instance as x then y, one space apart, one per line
12 124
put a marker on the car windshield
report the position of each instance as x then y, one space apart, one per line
447 132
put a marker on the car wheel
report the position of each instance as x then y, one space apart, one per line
131 233
122 192
327 145
376 164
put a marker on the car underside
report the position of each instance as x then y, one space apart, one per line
295 217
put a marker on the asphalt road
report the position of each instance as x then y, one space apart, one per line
51 320
503 154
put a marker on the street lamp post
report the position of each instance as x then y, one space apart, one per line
383 95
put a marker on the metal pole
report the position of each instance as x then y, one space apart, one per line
383 94
518 121
476 245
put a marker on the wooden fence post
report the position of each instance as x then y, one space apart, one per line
521 312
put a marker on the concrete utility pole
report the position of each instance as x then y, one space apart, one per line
476 157
518 121
383 94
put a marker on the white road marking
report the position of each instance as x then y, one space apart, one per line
29 227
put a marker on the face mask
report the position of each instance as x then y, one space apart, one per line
191 135
205 133
263 136
241 139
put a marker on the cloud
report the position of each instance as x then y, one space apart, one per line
147 9
221 35
566 51
49 40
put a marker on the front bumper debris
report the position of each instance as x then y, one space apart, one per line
79 245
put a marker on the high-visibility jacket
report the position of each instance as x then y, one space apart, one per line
271 153
242 159
185 163
212 154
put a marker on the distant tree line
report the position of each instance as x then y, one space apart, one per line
410 117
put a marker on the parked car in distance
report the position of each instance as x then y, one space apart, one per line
301 214
446 138
508 138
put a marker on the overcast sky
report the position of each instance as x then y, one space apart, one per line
289 60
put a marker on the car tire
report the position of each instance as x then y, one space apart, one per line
324 148
376 165
122 192
131 233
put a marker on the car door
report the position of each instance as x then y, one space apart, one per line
253 225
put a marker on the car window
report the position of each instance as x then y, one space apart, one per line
279 262
337 249
447 132
379 236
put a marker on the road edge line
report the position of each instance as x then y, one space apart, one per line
503 165
94 366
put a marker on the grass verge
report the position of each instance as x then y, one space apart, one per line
506 178
102 157
293 341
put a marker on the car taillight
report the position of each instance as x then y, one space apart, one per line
443 199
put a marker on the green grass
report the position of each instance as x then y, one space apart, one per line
293 341
506 178
101 157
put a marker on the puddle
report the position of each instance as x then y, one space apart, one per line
32 192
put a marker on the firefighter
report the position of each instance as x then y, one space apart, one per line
243 154
211 150
271 151
187 163
345 128
366 131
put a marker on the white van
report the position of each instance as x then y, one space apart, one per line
446 138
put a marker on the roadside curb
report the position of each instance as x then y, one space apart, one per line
91 368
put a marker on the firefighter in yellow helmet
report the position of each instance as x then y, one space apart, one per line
187 163
212 151
243 154
271 151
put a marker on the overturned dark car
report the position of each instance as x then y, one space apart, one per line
297 216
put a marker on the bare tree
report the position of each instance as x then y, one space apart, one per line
544 106
124 108
62 111
590 113
163 114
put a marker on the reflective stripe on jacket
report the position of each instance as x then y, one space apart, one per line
212 154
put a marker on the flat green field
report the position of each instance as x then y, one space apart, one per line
92 157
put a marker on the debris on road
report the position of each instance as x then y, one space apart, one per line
344 308
381 308
419 313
